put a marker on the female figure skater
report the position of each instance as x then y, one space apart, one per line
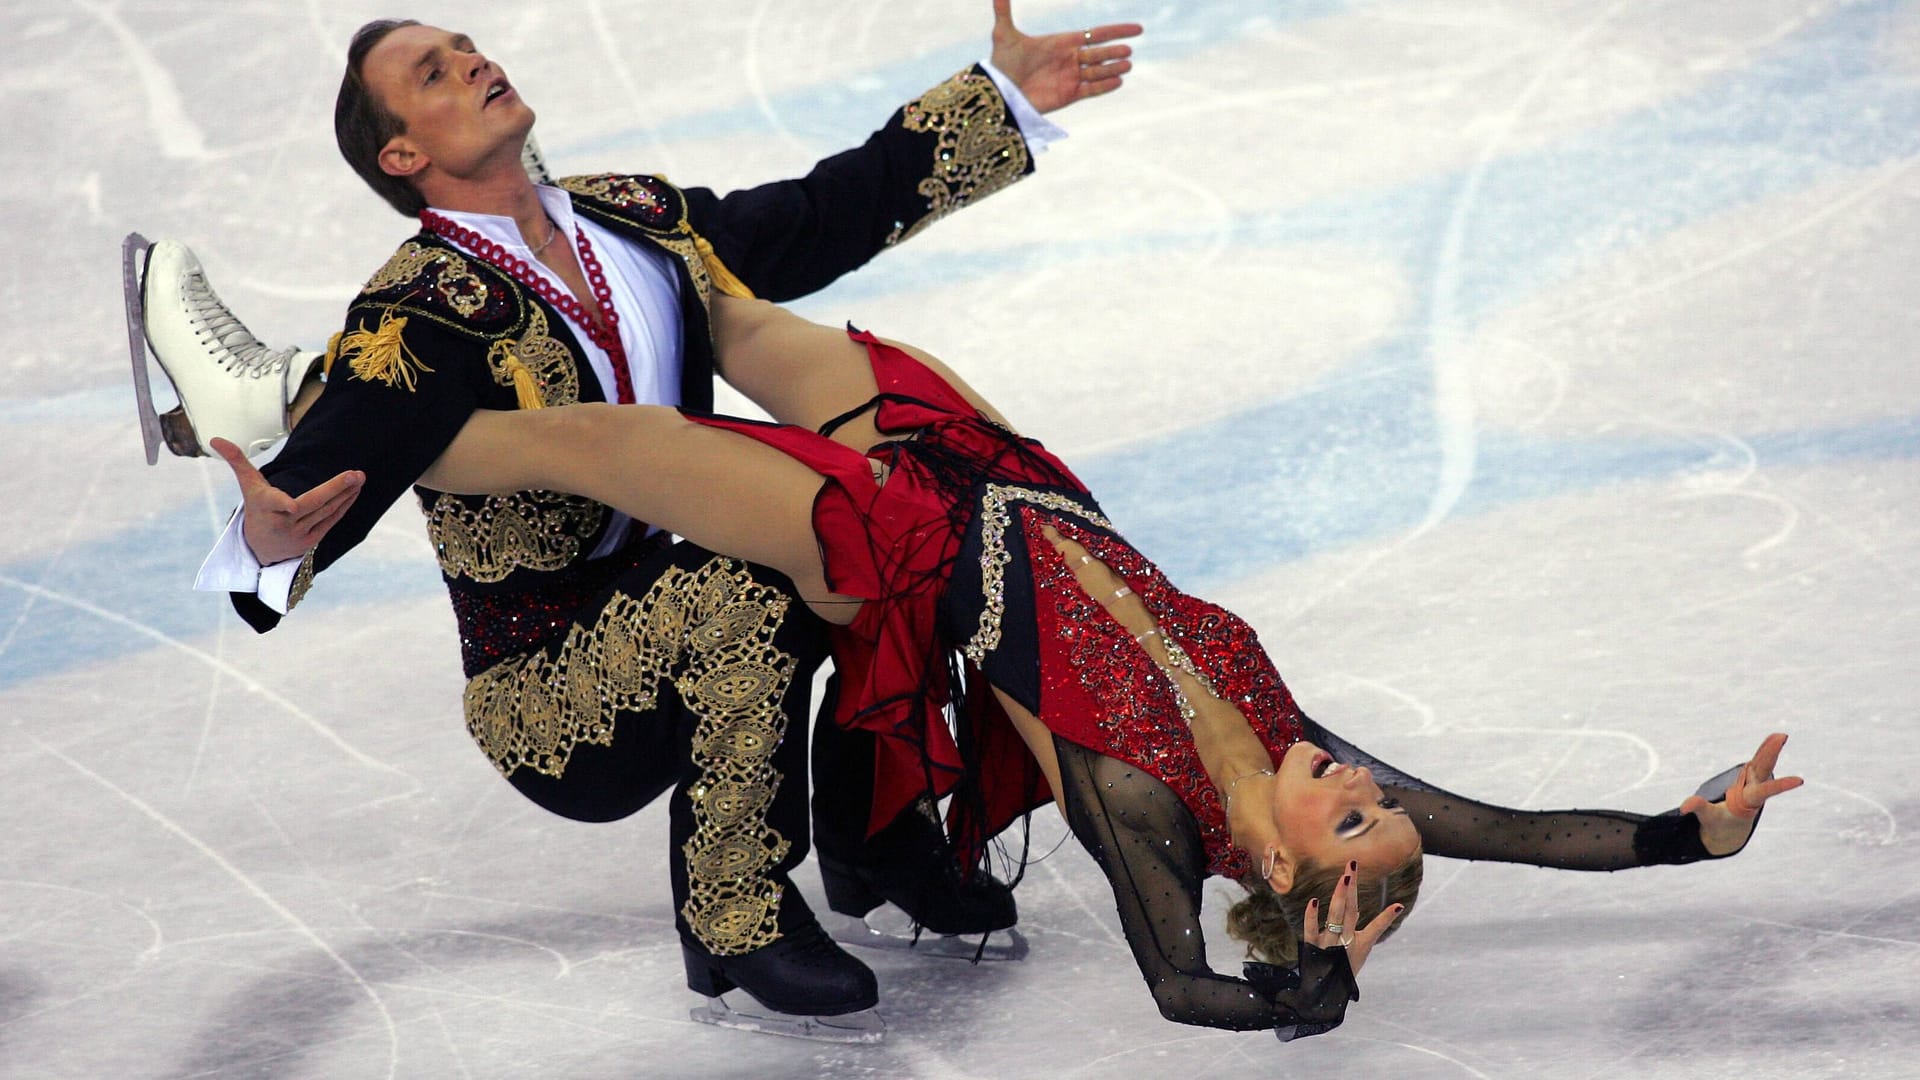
937 540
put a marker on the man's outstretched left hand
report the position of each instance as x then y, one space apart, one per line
1056 70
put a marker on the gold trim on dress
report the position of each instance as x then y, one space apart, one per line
526 530
976 153
714 626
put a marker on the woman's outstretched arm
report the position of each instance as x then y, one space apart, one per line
1714 824
719 489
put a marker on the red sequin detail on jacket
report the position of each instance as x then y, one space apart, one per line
896 545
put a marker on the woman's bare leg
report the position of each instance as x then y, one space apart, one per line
806 374
717 488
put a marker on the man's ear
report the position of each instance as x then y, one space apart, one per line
400 157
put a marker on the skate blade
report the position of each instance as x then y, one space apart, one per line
133 265
865 1026
1002 946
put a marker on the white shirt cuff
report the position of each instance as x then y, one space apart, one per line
230 567
1039 131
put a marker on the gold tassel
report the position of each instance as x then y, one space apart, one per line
526 388
723 278
333 353
382 355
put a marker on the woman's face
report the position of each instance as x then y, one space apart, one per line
1329 813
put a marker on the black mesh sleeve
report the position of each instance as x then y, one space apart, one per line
1460 828
1148 844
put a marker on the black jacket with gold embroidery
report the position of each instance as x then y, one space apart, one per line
437 333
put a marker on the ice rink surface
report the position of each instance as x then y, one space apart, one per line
1537 377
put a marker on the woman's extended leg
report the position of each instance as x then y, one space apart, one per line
806 374
721 490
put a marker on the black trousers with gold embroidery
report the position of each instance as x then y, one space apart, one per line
690 675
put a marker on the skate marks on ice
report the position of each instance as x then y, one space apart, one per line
1673 433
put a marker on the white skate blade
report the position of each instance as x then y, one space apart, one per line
1002 945
133 263
736 1009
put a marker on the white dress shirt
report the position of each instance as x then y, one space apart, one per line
645 288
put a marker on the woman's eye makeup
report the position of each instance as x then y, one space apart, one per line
1389 803
1351 822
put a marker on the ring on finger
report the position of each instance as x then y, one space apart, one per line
1334 928
1086 37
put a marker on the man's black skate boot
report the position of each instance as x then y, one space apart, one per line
802 985
802 974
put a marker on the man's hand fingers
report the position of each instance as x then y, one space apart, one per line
1093 57
1110 32
333 508
327 497
244 473
1003 13
313 530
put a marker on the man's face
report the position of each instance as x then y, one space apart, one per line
460 112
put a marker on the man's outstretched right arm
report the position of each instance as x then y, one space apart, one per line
401 386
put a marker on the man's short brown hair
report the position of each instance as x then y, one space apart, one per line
362 125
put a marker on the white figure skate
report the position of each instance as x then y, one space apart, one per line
534 162
229 384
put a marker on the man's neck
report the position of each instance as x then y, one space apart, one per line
503 193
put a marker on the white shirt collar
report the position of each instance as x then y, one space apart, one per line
502 230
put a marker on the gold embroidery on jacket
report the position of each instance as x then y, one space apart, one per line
536 364
620 191
527 530
711 630
382 355
458 285
302 581
688 248
976 153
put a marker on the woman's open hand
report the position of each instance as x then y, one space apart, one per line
1725 825
1343 910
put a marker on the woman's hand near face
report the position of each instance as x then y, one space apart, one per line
1725 825
1337 929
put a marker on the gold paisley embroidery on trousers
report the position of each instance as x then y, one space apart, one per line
976 153
459 286
714 627
527 530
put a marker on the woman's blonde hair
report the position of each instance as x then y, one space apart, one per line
1269 922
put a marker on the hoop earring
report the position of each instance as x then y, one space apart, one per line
1266 867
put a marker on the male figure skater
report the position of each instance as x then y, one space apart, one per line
606 665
